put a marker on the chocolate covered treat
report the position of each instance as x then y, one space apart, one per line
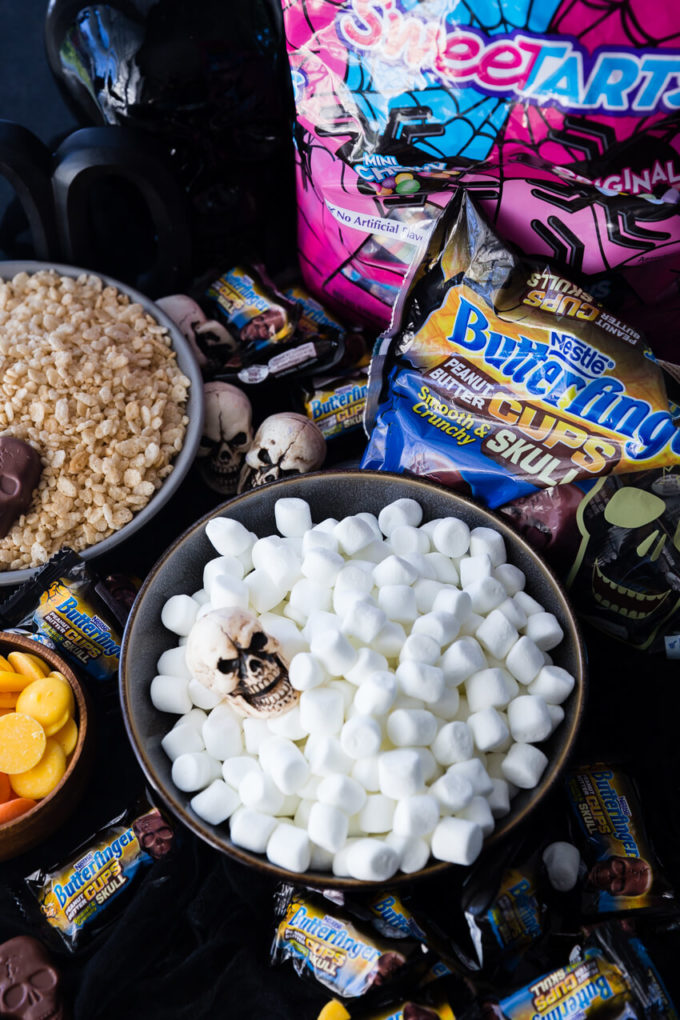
154 834
29 983
20 469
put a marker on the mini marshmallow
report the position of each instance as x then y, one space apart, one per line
318 622
285 632
400 773
470 624
288 724
371 860
310 788
474 568
365 771
398 602
441 627
170 694
419 680
372 522
413 852
496 634
553 684
445 569
200 596
556 715
524 765
488 728
263 593
499 798
334 651
306 672
322 566
462 659
420 648
307 596
173 662
179 614
255 731
452 792
401 511
194 771
426 590
216 803
327 826
284 762
229 537
342 792
489 688
411 727
293 516
182 740
376 694
325 755
529 719
353 578
474 771
457 840
524 660
390 639
298 616
319 859
360 736
196 717
228 592
221 566
251 829
486 594
527 604
562 862
259 791
454 742
514 614
339 864
446 707
416 816
376 551
377 814
479 811
203 697
489 541
451 537
511 577
406 539
222 733
364 620
289 847
545 630
353 534
282 563
234 769
301 815
368 661
316 539
321 710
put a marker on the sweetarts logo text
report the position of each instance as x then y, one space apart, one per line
543 69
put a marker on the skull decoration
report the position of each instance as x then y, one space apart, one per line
285 444
29 983
210 341
228 652
227 434
153 834
20 469
626 575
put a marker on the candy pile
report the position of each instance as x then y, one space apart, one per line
38 731
424 682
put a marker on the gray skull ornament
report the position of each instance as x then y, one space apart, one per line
211 343
626 575
227 435
228 652
285 444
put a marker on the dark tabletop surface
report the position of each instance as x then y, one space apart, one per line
193 942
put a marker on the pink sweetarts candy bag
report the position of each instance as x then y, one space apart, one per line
559 118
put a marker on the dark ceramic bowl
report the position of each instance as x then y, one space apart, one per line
329 494
186 361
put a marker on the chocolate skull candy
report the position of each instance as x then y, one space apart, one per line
228 651
227 434
285 444
153 834
29 983
20 469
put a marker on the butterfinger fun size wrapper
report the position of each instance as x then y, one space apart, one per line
500 379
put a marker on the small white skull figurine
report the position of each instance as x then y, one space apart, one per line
211 343
285 444
228 651
227 434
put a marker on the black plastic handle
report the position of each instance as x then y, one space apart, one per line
27 165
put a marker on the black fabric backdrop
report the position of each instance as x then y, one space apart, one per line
193 942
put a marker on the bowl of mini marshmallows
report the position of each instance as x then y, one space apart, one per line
353 676
101 390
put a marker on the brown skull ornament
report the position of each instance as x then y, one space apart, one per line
285 444
227 434
228 651
29 983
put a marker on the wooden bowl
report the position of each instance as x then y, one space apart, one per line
329 494
32 828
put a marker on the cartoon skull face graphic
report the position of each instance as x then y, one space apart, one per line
230 653
627 570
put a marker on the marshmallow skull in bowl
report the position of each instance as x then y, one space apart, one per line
229 653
